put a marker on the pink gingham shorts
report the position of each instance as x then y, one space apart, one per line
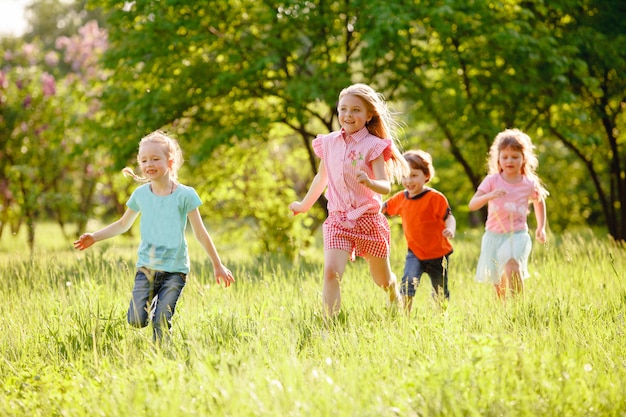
370 235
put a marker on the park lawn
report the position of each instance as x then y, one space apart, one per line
260 348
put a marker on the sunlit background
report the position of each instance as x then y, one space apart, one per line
12 21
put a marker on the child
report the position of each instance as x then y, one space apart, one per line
163 260
510 185
357 164
428 223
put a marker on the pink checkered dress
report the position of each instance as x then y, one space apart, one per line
355 223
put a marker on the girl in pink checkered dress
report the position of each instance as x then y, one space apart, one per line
357 165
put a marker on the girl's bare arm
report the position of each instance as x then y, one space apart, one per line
202 235
480 198
380 183
116 228
317 187
539 208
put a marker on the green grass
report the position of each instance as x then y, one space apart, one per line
260 347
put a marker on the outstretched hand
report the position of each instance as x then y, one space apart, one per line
223 274
84 241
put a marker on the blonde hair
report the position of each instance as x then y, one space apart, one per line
171 148
383 125
421 160
519 141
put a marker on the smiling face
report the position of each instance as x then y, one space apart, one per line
353 113
153 160
415 181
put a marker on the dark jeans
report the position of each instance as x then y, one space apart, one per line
437 270
154 299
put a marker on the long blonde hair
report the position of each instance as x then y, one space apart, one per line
171 149
383 125
521 142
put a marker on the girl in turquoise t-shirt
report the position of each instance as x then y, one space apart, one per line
163 260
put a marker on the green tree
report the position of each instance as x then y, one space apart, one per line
222 73
468 69
252 83
590 120
554 70
44 119
34 158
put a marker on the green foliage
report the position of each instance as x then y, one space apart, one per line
44 118
260 347
476 68
247 189
265 76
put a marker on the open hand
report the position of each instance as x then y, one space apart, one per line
84 241
223 274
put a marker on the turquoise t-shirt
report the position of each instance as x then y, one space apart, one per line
162 226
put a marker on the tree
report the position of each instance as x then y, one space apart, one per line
221 73
469 69
258 78
45 142
590 119
554 70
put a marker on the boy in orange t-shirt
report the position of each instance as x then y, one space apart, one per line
428 223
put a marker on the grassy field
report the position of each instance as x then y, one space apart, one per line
260 347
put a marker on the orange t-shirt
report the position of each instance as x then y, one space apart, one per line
423 221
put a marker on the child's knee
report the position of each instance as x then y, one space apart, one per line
331 275
512 267
136 319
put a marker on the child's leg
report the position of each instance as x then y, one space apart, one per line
410 279
513 256
501 287
515 281
438 272
168 286
383 277
139 308
510 281
335 261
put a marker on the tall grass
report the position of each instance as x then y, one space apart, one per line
260 347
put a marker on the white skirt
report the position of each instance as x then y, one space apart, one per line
497 249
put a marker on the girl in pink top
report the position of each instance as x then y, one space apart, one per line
357 165
509 187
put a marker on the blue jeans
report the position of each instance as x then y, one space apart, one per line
154 299
437 270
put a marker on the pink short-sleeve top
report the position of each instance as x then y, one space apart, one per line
508 214
344 156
